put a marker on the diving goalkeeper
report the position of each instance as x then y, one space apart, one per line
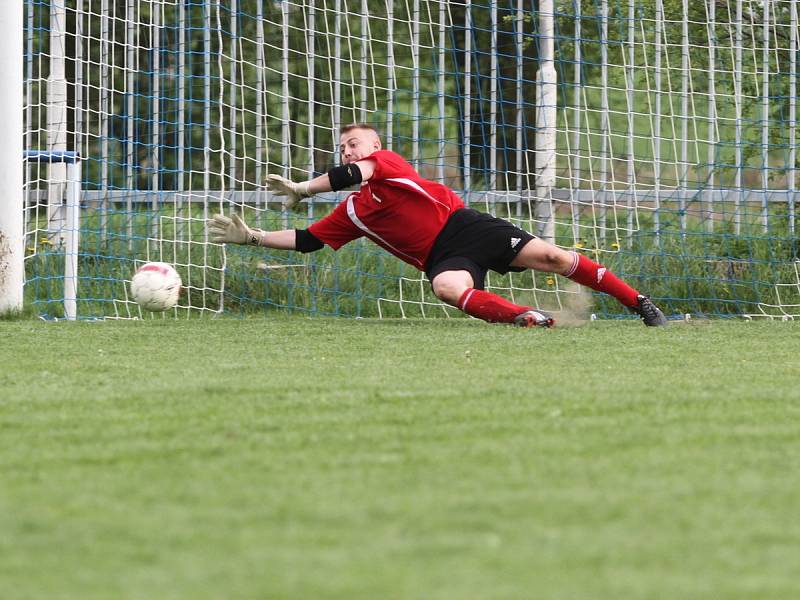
426 224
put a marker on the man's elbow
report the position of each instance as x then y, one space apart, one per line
305 241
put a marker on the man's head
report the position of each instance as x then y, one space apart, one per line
357 141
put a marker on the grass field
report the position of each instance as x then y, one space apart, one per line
359 459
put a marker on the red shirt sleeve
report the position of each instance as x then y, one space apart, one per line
388 164
336 229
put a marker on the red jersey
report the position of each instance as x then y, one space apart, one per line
396 208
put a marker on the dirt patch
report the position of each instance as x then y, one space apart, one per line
576 307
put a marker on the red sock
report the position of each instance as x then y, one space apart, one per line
489 307
587 272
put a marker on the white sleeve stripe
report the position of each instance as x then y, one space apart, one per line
415 186
351 212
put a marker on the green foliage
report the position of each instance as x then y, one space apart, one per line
225 142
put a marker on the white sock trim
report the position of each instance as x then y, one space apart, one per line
463 305
571 271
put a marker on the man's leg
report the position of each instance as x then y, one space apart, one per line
455 288
542 256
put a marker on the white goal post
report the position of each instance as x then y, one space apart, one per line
11 129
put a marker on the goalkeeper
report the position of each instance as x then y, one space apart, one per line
426 224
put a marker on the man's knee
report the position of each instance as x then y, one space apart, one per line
556 258
447 291
450 286
540 255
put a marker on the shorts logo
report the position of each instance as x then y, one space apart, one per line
600 272
515 241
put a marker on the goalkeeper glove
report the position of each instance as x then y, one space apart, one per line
294 192
232 230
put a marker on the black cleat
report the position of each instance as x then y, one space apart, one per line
534 318
648 312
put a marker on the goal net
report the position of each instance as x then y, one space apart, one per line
671 154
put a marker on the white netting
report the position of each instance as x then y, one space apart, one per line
674 129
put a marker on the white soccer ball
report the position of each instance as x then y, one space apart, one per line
156 286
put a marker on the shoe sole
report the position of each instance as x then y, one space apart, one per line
530 321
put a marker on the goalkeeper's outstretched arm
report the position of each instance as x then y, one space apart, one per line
233 230
336 179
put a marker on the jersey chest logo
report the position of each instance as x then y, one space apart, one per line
372 194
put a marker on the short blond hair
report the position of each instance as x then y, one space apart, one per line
348 128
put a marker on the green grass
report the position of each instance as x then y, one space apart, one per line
348 459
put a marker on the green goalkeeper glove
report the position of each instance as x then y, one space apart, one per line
232 230
294 192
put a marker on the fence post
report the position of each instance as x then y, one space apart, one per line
57 118
546 100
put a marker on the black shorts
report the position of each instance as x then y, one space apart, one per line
476 242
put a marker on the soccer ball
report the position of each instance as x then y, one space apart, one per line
155 286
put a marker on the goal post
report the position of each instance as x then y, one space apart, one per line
63 223
12 274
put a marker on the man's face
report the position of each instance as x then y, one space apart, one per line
357 144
